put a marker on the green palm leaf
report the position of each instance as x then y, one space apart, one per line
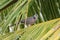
21 9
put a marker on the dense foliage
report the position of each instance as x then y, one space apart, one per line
13 11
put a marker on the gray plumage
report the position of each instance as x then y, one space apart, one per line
30 20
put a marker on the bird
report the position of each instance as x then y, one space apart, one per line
30 20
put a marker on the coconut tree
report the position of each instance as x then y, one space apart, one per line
46 27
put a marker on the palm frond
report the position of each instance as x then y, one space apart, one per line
13 11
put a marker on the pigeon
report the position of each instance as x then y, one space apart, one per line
30 20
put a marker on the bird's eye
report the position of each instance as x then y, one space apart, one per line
34 17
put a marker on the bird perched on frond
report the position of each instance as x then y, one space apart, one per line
30 20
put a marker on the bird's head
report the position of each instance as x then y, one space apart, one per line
35 16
